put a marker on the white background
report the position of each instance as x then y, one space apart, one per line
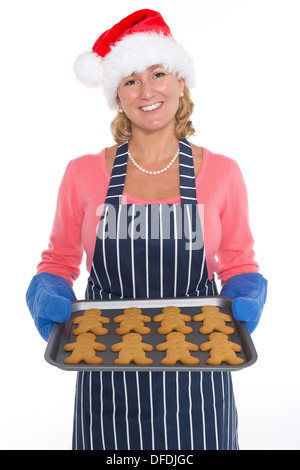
247 107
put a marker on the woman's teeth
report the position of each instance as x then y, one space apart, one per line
150 108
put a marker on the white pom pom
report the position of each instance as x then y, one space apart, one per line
88 70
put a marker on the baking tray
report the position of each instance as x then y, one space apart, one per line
62 334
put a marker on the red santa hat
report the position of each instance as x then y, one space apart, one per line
135 43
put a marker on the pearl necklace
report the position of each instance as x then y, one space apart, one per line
153 172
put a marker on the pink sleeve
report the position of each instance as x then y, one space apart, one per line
64 254
235 254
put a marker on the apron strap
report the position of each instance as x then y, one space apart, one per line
186 169
118 175
187 173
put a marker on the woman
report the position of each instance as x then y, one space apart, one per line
161 192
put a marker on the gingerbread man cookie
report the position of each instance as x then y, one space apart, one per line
131 349
91 320
132 320
172 319
221 350
84 349
213 319
178 349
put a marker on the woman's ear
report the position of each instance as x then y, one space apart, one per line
181 83
119 104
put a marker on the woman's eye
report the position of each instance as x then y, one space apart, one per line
130 82
159 74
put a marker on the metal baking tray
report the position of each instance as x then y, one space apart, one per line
62 334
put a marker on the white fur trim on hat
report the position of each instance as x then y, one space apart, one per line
87 68
134 53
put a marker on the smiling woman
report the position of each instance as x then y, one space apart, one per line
121 125
150 99
177 188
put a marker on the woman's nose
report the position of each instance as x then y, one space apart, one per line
146 90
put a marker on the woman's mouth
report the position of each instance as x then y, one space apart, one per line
151 107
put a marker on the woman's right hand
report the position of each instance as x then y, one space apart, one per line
49 300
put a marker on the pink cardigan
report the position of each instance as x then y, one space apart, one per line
220 189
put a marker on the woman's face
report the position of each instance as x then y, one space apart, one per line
150 99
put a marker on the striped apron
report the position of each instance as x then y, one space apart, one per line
152 251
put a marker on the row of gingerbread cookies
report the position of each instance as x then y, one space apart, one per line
171 319
131 349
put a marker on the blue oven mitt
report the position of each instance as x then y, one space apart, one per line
49 300
249 293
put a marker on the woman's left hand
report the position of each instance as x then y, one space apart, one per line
249 293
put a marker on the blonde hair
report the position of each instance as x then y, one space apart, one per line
121 125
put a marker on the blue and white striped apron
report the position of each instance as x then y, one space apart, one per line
146 251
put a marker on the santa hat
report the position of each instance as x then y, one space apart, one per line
135 43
